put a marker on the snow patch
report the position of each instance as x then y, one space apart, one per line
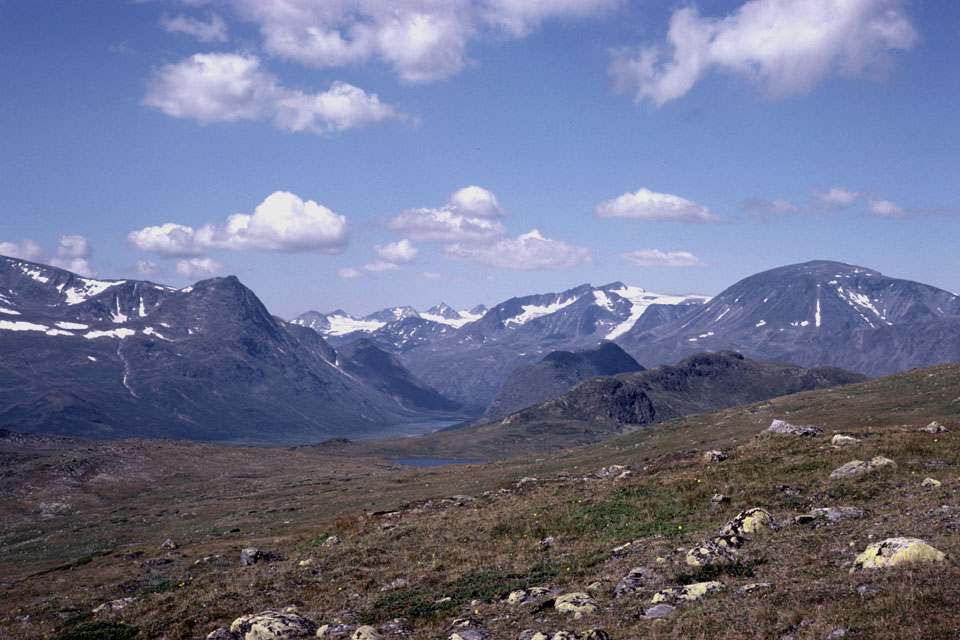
113 333
88 289
21 325
34 273
532 311
72 325
186 290
603 300
641 299
816 316
342 325
142 310
9 312
706 335
456 323
761 323
119 317
91 359
150 331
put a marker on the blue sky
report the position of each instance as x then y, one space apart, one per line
369 153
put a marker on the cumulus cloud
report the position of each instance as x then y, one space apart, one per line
73 253
836 198
26 250
644 204
759 209
146 267
887 209
784 47
213 31
422 40
657 258
283 222
198 268
228 87
401 252
349 272
380 265
526 252
467 217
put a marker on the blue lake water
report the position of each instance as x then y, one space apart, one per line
431 462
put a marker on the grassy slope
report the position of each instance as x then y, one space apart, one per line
137 495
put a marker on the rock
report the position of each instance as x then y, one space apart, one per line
155 562
841 439
273 625
394 584
612 471
462 624
628 547
596 585
895 551
526 595
755 586
335 630
533 634
366 632
749 521
714 455
930 483
804 518
934 427
526 483
472 634
169 544
835 514
331 541
837 633
114 605
223 633
638 578
252 555
546 541
563 475
718 550
397 628
786 490
659 611
784 427
564 635
687 593
594 634
867 591
718 499
577 603
856 468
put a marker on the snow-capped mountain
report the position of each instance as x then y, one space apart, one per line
815 313
342 328
117 358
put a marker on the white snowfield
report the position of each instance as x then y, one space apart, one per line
532 311
88 289
641 299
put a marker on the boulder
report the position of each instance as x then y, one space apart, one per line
754 586
856 468
594 634
252 555
273 625
930 483
471 634
751 520
714 455
366 632
718 550
331 541
222 633
894 551
612 471
335 630
835 514
525 595
638 578
659 611
577 603
934 427
687 593
169 544
533 634
785 428
718 499
841 439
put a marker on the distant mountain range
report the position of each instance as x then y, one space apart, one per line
129 358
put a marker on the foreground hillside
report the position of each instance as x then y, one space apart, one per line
418 550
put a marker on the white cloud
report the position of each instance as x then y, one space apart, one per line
74 246
79 266
349 272
380 265
526 252
213 31
198 268
644 204
887 209
467 217
283 222
785 47
26 250
760 209
401 252
836 198
657 258
422 40
146 267
431 275
228 87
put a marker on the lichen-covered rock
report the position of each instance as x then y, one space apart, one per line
718 499
525 595
841 439
169 544
835 514
526 483
784 427
577 603
612 471
335 630
856 468
252 555
533 634
114 605
934 427
754 586
564 635
366 632
628 547
661 610
331 541
751 520
687 593
595 634
714 455
895 551
273 625
471 634
638 578
718 550
221 633
930 483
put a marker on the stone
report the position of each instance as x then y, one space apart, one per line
856 468
718 550
754 586
792 492
462 624
366 632
472 634
594 634
659 611
577 603
628 547
751 520
718 499
546 541
785 428
273 625
714 455
638 578
835 514
169 544
525 483
533 634
930 483
687 593
612 471
895 551
252 555
331 541
155 562
934 427
841 439
114 605
526 595
335 630
394 584
564 635
804 518
222 633
867 591
837 633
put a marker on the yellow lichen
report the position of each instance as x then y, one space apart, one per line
895 551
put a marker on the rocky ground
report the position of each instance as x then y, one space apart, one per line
823 515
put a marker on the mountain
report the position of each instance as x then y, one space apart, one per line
815 313
533 383
208 362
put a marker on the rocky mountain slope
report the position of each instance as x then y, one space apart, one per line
590 543
560 370
207 362
815 313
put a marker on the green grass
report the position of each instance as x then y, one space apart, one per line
100 630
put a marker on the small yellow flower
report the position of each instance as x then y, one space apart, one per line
679 527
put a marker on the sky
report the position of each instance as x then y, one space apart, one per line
360 154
